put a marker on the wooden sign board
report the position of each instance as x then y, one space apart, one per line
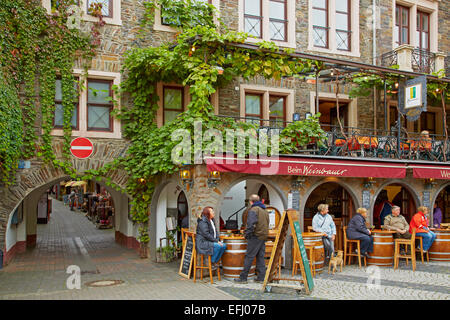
289 218
187 257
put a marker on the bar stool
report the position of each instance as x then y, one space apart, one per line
312 261
348 243
421 249
310 229
201 267
407 242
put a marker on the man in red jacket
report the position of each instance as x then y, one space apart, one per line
420 222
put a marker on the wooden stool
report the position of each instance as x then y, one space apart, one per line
407 242
201 267
348 243
310 229
296 262
421 249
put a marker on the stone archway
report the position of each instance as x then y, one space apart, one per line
41 175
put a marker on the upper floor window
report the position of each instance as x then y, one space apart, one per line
58 119
107 8
343 25
173 103
334 26
401 32
320 23
277 111
270 20
423 30
99 106
253 108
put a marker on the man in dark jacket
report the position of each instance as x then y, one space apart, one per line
256 234
357 230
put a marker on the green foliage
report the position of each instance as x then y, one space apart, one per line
301 133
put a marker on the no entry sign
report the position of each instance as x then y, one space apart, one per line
81 148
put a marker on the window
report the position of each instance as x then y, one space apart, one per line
98 106
277 111
423 30
269 20
320 23
173 103
107 8
428 122
278 20
266 106
253 108
167 23
334 27
58 120
253 17
343 22
401 32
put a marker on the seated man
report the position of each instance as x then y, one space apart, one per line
323 222
396 222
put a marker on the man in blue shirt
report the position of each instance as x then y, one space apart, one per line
323 222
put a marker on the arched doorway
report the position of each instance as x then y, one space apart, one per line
235 200
183 211
393 194
442 202
340 204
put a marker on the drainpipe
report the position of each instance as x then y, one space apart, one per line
374 61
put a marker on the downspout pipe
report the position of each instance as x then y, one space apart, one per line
374 61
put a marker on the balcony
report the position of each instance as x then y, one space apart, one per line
413 59
351 142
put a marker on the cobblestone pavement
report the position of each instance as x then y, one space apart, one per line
71 239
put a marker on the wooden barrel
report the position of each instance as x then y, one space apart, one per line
440 249
233 258
315 239
383 249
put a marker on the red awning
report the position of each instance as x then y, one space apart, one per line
306 167
427 172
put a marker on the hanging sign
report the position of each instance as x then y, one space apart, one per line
412 98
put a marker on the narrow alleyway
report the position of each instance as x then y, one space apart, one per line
71 239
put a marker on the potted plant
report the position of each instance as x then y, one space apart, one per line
169 252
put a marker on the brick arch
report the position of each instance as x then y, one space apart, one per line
41 175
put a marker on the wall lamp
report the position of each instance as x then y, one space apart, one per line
369 182
298 182
186 177
430 183
213 178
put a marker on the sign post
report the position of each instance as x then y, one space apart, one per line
81 148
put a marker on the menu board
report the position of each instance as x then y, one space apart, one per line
366 199
186 259
426 199
304 257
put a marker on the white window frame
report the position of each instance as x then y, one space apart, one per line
290 10
266 91
158 26
115 20
82 128
332 44
430 7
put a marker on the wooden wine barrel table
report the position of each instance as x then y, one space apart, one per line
233 257
440 249
383 248
315 239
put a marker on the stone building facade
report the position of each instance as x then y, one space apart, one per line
121 33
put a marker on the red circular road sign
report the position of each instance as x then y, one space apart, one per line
81 148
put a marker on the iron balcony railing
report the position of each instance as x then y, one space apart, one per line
366 142
422 61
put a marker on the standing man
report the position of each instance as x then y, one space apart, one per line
256 234
323 222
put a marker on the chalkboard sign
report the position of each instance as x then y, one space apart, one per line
301 246
289 218
296 200
366 199
186 259
426 199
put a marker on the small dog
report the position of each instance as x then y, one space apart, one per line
336 261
